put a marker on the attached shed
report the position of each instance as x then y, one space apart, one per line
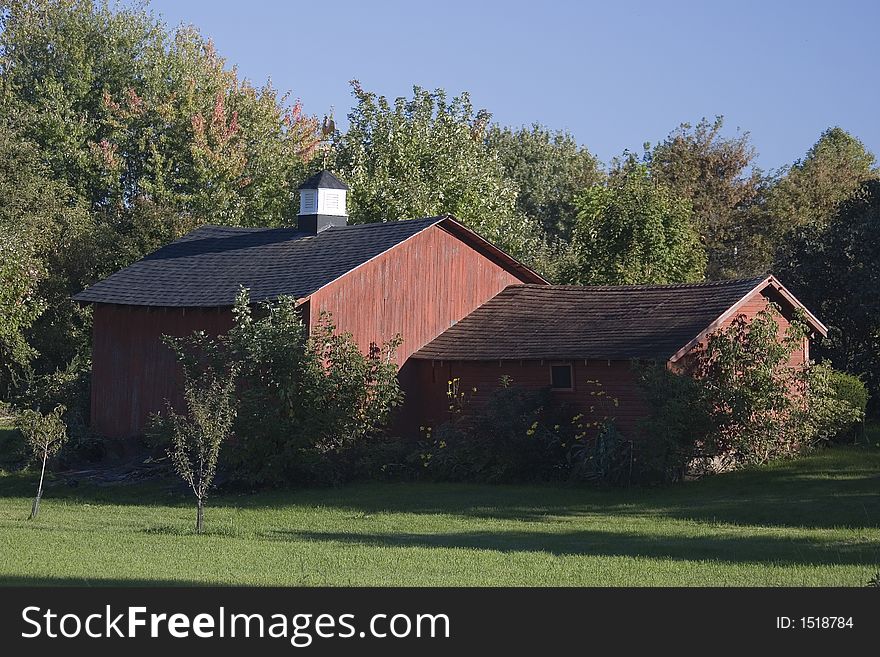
564 337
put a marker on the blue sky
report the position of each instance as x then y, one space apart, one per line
615 74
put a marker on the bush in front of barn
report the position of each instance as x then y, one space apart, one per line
852 391
742 401
305 403
523 435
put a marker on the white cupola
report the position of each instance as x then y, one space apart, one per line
322 203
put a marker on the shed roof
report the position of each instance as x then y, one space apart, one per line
531 322
207 267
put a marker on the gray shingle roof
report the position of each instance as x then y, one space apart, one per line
534 322
206 267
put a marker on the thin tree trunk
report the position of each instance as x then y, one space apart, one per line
35 509
200 515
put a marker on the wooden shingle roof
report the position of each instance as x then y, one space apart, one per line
206 267
533 322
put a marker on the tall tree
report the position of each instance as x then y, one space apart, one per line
717 176
151 131
550 170
426 156
126 111
809 191
40 219
634 229
835 271
805 193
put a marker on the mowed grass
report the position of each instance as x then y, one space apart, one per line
810 522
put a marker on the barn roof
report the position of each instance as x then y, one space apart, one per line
532 322
206 267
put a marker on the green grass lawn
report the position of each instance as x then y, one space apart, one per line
811 522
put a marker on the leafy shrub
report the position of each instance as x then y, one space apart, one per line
837 403
300 398
675 433
607 457
853 391
523 435
510 439
742 401
755 399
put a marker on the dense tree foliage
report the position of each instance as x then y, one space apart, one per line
835 271
41 220
550 170
146 133
716 174
427 156
741 401
634 229
809 191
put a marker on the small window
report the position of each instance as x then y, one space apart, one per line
560 377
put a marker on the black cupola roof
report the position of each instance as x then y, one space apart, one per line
323 180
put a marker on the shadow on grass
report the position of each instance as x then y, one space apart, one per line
733 549
836 488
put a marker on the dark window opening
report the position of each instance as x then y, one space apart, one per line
560 377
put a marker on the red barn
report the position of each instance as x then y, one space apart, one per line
464 308
414 278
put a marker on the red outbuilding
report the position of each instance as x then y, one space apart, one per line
465 310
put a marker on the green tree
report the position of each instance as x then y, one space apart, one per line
427 156
150 131
40 219
124 111
550 170
301 399
716 174
809 191
198 435
754 396
45 434
835 271
633 230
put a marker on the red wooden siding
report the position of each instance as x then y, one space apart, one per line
133 373
750 308
428 382
418 289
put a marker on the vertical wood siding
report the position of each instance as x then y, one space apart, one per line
133 372
418 290
427 382
750 308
